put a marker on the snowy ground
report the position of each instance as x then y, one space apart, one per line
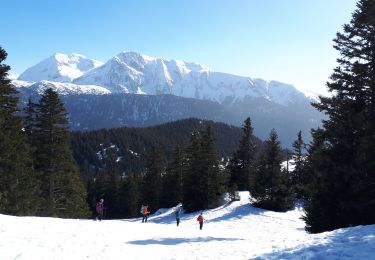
233 231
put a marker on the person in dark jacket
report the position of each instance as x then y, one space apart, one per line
177 213
99 209
200 220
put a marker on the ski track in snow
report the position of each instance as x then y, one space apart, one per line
233 231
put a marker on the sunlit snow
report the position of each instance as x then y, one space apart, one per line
233 231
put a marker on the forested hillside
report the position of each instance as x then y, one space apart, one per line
125 150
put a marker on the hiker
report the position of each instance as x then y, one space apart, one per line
145 212
142 212
99 209
200 220
177 213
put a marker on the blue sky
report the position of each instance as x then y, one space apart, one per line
284 40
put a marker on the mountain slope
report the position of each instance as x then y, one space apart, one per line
93 111
60 68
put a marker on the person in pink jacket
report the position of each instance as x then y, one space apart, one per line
99 209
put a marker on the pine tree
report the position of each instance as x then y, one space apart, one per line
130 195
203 181
29 120
298 157
18 185
192 192
62 188
153 179
242 164
343 192
97 188
270 188
171 193
111 182
315 176
213 178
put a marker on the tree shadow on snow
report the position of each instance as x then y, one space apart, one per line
353 243
175 241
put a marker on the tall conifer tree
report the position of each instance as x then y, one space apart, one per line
344 192
171 193
298 173
209 168
130 195
29 120
242 164
270 188
203 181
152 180
216 179
62 188
18 185
192 192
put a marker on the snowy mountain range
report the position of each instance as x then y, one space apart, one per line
270 104
130 72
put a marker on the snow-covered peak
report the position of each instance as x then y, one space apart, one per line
284 94
139 61
60 68
134 58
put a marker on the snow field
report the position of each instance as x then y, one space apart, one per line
232 231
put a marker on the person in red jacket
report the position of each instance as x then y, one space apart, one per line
200 220
99 209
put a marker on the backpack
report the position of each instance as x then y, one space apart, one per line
99 207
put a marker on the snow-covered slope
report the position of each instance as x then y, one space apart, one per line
59 87
130 72
60 68
232 231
